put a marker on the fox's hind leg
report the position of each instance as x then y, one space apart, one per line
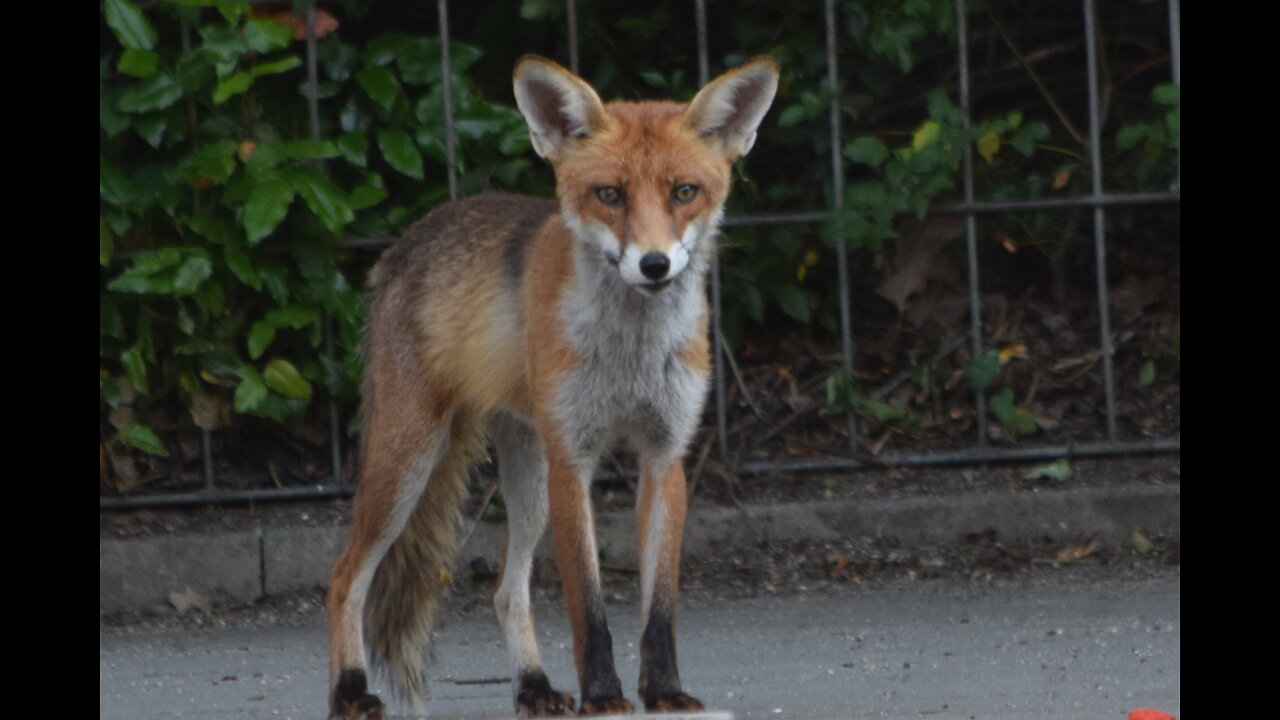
406 434
522 471
391 484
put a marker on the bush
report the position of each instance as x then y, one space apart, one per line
229 287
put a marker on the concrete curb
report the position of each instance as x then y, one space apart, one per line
243 567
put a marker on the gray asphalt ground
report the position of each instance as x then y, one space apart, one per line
1060 643
1040 641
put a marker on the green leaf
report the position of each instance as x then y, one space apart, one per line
214 162
276 67
280 375
324 199
264 35
195 70
988 146
984 369
135 368
251 390
1058 470
867 150
113 186
793 301
925 134
240 265
309 150
1017 420
106 242
1024 141
233 85
191 275
138 63
793 115
268 204
365 196
355 148
380 84
129 25
142 437
155 93
1147 374
142 282
263 332
1131 135
881 411
293 317
261 335
112 121
1166 94
842 394
398 148
151 127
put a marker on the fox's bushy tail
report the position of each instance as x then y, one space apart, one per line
417 569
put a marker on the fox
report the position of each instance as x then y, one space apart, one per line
550 331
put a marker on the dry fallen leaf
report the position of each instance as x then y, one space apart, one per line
325 23
1075 553
1142 543
187 599
1060 180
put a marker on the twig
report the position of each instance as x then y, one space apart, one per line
788 420
897 380
696 474
737 376
476 681
1053 104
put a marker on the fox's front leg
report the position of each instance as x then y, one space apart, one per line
661 510
574 533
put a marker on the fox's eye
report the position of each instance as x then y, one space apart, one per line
610 195
684 193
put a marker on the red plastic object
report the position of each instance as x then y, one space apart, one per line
1148 714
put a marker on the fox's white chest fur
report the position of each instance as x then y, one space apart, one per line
631 383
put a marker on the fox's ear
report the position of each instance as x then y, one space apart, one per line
558 106
730 108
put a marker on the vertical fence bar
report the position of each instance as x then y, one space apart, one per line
718 348
1099 215
837 202
1175 63
313 112
571 9
970 220
313 94
206 435
446 86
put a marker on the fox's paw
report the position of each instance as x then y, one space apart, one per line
351 698
675 702
607 706
537 698
365 707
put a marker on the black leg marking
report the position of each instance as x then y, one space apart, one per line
351 698
660 687
601 688
536 697
600 679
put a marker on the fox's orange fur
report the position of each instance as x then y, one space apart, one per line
556 330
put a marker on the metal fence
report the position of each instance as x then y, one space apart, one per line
1099 200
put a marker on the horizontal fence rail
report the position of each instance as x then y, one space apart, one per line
1098 200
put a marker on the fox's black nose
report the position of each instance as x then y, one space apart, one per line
654 265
